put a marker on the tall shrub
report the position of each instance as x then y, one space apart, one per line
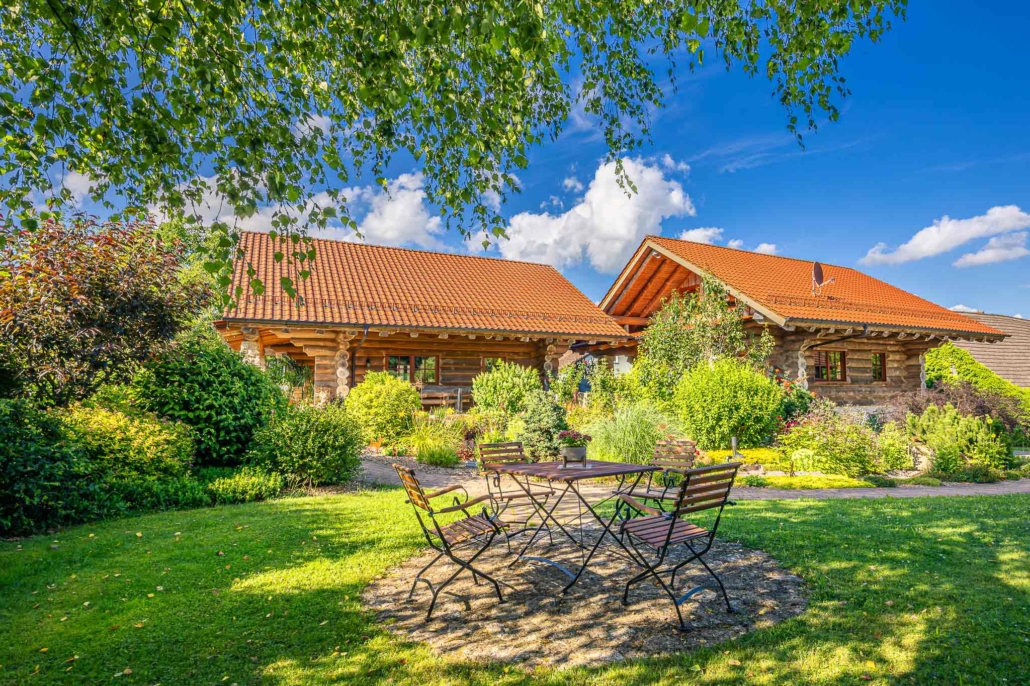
715 402
310 445
201 382
383 406
505 387
83 304
542 421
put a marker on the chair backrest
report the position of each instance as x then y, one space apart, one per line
705 488
674 456
501 453
416 496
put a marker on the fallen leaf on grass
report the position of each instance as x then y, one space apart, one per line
139 534
735 663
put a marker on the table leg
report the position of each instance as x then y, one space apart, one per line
605 530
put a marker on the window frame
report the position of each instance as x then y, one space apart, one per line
882 357
413 369
842 366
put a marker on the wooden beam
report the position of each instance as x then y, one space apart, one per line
631 321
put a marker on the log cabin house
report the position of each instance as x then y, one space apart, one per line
434 319
854 339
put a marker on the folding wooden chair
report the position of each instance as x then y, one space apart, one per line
516 505
675 458
705 488
448 539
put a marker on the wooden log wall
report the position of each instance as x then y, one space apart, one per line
903 365
461 359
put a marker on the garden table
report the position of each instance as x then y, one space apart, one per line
566 480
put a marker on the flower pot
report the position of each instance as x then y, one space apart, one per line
574 454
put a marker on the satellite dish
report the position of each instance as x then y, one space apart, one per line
819 279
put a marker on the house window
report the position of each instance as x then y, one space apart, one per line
491 363
412 368
879 366
831 366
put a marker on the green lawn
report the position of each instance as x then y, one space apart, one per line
903 591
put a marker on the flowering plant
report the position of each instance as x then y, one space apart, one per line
573 439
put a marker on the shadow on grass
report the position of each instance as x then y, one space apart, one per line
902 590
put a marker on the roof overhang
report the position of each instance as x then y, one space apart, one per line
227 322
646 252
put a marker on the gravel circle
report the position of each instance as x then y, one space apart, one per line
537 626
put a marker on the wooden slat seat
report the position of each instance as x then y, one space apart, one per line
654 529
467 529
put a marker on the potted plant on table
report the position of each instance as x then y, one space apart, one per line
573 447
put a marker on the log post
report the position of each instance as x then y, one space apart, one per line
251 348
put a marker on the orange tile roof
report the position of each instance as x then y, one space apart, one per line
783 286
355 284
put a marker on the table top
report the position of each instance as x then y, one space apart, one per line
553 471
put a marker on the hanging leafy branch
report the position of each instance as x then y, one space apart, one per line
283 103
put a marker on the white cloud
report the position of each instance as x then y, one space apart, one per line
397 216
962 308
79 185
1010 246
605 226
573 184
736 244
947 234
704 234
672 165
766 248
1017 316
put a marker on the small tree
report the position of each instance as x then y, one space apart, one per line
691 330
83 304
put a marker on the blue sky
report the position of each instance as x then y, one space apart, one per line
937 127
938 124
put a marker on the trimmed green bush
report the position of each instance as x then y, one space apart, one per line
41 472
201 382
630 434
310 445
125 446
506 387
542 421
715 402
383 406
244 485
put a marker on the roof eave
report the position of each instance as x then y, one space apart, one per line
225 321
921 330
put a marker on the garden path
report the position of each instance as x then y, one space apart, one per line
376 469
